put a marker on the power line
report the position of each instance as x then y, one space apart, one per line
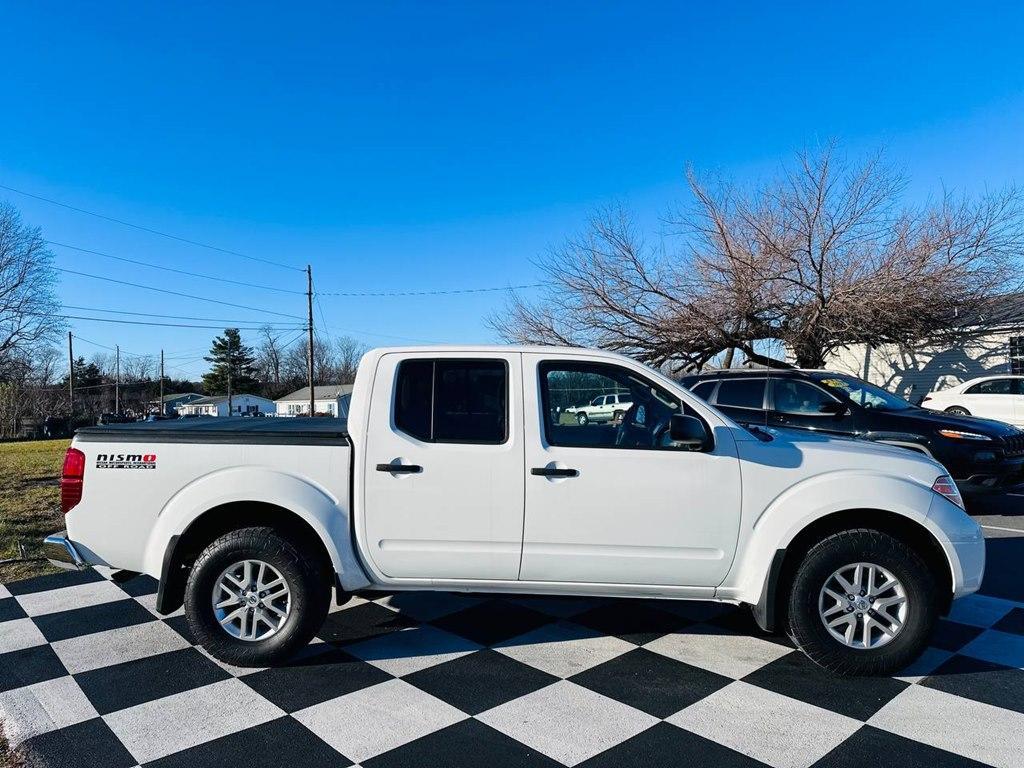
170 269
439 292
176 293
147 229
104 346
167 317
159 325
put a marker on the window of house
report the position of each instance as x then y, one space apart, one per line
1017 355
741 393
453 401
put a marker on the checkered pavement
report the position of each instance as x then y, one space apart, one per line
91 676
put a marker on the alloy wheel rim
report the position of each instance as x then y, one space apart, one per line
863 606
251 600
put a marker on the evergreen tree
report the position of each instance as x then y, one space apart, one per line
233 366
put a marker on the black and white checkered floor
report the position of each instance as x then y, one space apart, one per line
90 676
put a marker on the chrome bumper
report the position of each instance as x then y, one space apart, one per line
58 549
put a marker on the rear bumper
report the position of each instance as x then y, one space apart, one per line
61 552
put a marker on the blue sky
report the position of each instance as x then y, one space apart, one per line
412 146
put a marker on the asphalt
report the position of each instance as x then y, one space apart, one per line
1001 516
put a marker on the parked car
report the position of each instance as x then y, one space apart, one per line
991 397
602 408
980 454
452 474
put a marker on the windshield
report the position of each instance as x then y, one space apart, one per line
864 394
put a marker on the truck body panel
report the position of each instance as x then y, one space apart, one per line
520 499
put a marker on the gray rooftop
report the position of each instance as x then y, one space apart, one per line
321 392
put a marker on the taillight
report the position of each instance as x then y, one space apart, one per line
71 477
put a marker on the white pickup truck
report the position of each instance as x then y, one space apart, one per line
453 473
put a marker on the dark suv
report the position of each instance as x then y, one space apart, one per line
978 453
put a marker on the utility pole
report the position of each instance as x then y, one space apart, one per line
117 379
71 378
163 411
230 370
309 303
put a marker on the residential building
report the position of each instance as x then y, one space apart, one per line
171 403
988 342
241 405
328 400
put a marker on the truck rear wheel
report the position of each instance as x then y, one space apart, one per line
862 602
253 599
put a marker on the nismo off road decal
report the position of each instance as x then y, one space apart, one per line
126 461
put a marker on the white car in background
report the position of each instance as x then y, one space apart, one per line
602 408
991 397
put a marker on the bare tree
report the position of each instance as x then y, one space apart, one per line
29 312
348 352
294 364
269 359
821 257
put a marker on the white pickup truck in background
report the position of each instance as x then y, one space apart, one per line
453 472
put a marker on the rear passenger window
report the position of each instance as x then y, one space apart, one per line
741 393
992 387
703 390
453 401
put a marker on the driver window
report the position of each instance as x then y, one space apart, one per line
638 417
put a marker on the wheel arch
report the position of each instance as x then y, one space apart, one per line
769 611
183 548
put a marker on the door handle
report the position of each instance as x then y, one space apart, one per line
554 472
400 469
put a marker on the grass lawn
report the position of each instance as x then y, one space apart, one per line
29 501
29 510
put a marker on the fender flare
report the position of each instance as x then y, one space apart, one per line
326 515
805 504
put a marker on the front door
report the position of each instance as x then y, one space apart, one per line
618 503
444 467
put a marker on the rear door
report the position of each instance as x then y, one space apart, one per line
1018 401
444 466
742 399
991 399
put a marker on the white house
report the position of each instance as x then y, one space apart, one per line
992 342
328 399
218 406
171 403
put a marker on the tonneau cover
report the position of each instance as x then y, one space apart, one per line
276 431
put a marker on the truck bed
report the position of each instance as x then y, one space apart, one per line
249 431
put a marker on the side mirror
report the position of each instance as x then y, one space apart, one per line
834 408
690 432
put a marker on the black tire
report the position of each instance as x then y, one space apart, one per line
582 419
807 628
309 587
957 410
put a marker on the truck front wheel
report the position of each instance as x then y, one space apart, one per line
253 599
862 603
